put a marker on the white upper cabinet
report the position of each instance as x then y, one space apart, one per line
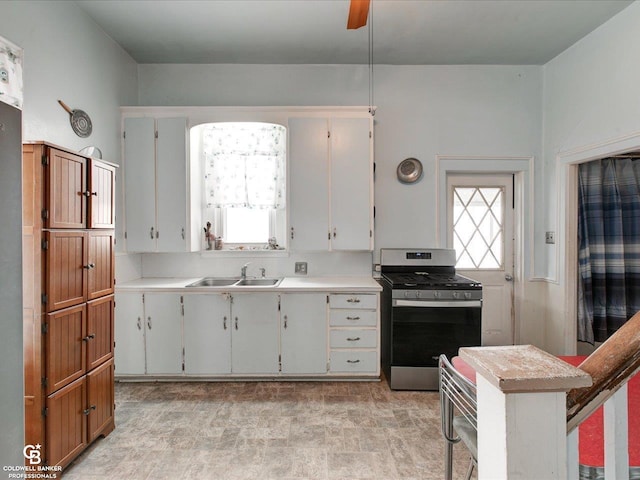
351 184
331 169
155 166
309 193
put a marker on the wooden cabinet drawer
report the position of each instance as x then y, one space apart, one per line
354 338
353 300
353 318
353 361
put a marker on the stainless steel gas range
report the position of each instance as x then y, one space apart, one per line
426 310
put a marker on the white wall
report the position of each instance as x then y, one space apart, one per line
591 106
423 111
66 57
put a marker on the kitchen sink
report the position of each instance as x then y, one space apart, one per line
214 282
258 282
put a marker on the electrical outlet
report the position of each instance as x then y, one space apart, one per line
550 237
301 268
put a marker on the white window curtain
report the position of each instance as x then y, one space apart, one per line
244 165
10 73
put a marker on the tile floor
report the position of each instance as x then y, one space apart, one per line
269 430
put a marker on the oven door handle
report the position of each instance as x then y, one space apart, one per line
431 304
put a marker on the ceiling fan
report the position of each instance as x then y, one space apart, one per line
358 13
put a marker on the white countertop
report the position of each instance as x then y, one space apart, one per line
292 284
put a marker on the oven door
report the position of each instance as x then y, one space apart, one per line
422 330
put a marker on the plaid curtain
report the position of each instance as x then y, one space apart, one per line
609 246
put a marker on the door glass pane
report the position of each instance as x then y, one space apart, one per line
478 227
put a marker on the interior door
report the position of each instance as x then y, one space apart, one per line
481 230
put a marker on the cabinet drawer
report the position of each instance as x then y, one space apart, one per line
353 300
354 338
353 318
343 361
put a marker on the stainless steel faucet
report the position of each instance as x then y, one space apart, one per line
243 270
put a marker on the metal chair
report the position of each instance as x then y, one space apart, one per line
459 414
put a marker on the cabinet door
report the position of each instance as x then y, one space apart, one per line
207 334
171 177
101 263
66 423
102 184
309 183
129 334
100 325
351 184
66 184
140 184
100 400
66 269
303 333
254 338
163 320
65 339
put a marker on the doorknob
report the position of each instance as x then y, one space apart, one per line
508 278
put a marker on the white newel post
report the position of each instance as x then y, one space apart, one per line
522 426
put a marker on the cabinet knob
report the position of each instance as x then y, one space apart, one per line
139 324
285 321
89 193
236 323
224 322
89 337
149 322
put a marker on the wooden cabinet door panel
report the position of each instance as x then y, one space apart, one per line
66 423
66 347
100 400
102 181
101 263
66 184
100 325
65 269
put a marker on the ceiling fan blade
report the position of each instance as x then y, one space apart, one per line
358 13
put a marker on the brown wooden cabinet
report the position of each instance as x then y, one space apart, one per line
68 284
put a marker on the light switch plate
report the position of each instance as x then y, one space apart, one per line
550 237
301 268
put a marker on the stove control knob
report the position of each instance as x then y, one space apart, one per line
406 294
417 294
436 294
456 294
467 295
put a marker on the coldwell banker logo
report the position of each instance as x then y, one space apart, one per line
32 453
33 468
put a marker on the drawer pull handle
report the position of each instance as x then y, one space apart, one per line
353 300
88 410
351 339
353 361
353 318
88 337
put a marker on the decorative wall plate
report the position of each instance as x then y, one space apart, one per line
409 170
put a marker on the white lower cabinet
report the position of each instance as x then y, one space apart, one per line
129 334
254 338
163 320
303 334
207 334
246 334
148 333
354 333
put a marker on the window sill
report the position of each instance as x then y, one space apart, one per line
243 253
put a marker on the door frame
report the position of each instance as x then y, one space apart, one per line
522 170
567 175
